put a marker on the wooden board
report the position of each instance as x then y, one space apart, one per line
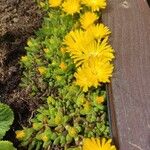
129 21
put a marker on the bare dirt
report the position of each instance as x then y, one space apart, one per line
18 21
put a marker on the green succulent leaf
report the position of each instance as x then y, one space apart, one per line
62 140
32 145
56 141
69 139
6 119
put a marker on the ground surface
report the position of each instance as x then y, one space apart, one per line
18 21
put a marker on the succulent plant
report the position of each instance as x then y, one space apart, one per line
68 114
66 121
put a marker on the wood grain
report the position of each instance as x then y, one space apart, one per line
129 21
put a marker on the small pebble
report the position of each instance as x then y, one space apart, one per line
15 19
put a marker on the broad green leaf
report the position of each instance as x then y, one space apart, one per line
6 145
6 119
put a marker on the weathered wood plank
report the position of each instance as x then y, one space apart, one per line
130 24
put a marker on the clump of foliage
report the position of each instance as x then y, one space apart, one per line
65 67
6 120
67 121
46 67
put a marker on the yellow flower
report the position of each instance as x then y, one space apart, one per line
72 131
99 31
88 19
81 100
20 134
76 41
97 144
95 5
63 50
42 70
101 68
100 99
87 106
55 3
85 78
63 66
24 58
58 78
96 70
58 119
46 50
44 138
71 6
82 54
29 43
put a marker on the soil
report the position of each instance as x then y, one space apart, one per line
18 21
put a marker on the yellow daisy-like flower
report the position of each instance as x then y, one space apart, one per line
58 78
99 31
98 144
85 78
82 54
29 43
87 106
71 6
95 5
46 50
88 19
24 58
63 66
101 68
63 50
42 70
20 134
72 131
76 41
55 3
58 119
100 99
44 138
96 70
